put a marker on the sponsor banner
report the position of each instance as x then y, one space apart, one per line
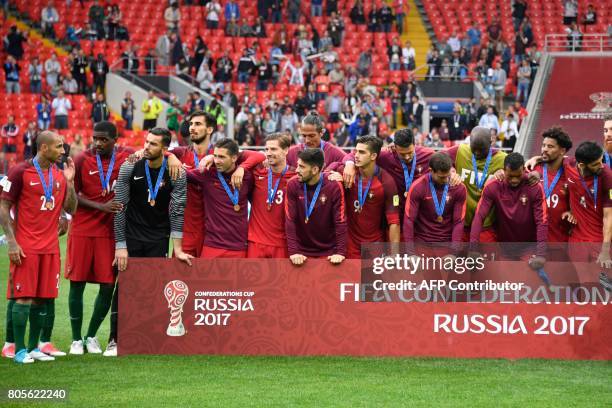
269 307
577 97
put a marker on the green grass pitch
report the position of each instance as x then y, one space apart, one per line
194 381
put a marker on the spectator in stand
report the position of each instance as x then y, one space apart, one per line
127 110
152 108
293 11
434 64
570 12
213 12
335 27
43 113
296 73
276 8
96 18
494 31
459 124
150 62
264 73
114 22
333 106
246 65
29 140
52 69
9 134
590 16
433 140
35 72
205 79
11 75
385 16
574 38
506 57
357 13
331 6
510 132
413 112
394 52
172 16
182 69
316 8
521 113
259 29
61 105
499 85
130 60
401 10
408 56
364 64
13 42
336 75
77 146
162 49
519 10
520 44
446 71
225 66
79 67
172 116
99 69
524 79
232 13
289 121
245 29
489 119
99 109
48 18
454 42
475 38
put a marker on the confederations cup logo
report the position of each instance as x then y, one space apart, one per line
602 101
176 293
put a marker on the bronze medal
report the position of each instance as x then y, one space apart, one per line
237 207
104 192
49 205
306 220
440 219
405 194
269 206
152 203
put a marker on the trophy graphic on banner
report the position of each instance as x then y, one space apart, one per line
602 101
176 293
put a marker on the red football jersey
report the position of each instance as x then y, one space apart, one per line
36 225
88 222
382 201
268 226
557 203
590 217
194 210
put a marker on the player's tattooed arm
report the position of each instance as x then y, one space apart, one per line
604 256
15 252
70 201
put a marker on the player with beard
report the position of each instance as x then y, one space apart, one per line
197 155
267 238
607 140
315 212
311 130
39 192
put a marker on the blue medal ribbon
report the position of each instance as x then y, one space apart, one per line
233 195
105 179
272 190
409 178
196 161
160 177
47 188
594 195
548 190
362 197
480 180
315 196
439 205
607 159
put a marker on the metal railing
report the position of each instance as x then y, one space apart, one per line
421 73
587 42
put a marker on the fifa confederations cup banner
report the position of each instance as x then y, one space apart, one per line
485 303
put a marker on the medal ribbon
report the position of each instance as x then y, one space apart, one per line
233 195
434 195
480 180
315 196
548 191
47 188
408 178
105 179
272 191
594 195
362 197
160 176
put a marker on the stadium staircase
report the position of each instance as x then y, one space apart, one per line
416 32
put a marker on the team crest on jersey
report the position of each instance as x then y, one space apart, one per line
583 202
323 198
18 287
58 185
523 199
371 195
448 198
419 169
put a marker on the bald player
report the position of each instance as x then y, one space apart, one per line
311 129
475 164
39 192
